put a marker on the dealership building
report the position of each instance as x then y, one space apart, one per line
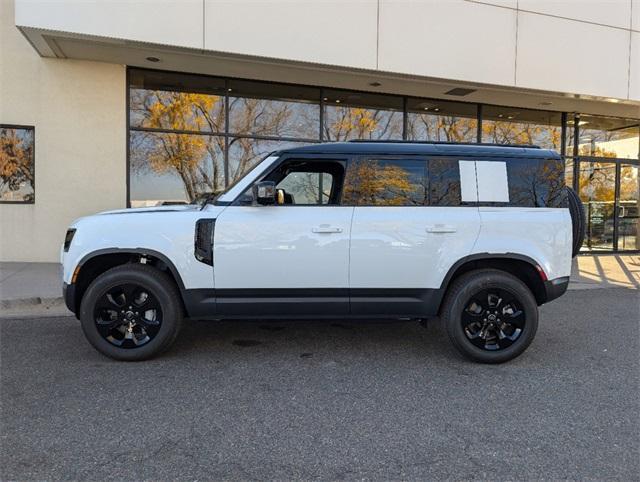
113 104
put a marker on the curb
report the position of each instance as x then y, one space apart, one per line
30 302
35 307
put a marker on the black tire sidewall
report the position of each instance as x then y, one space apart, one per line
151 279
461 292
578 221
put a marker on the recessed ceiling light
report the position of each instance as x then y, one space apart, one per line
510 117
153 59
375 84
500 115
426 108
337 101
437 109
229 90
325 98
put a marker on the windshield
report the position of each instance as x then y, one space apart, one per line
211 197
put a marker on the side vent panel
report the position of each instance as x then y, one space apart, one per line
203 240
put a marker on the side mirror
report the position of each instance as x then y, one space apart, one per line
264 192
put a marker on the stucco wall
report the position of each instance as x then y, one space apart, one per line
587 47
78 110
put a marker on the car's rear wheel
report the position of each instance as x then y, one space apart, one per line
131 312
490 316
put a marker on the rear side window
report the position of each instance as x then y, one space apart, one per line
536 183
444 182
402 182
385 182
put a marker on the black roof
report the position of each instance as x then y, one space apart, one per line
424 148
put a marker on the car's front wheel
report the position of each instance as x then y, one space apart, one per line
490 316
131 312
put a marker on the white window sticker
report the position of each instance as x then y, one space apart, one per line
468 188
493 185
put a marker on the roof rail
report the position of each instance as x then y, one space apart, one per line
380 141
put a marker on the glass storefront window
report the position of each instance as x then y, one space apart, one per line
261 109
171 168
246 152
434 120
194 134
176 102
629 208
509 125
568 172
596 188
356 115
608 137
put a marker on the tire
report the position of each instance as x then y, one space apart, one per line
131 312
463 298
578 220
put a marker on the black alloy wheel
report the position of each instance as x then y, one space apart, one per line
490 316
131 312
128 316
493 319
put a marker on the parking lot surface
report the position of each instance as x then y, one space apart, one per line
342 400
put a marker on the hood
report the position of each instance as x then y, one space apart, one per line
171 212
154 209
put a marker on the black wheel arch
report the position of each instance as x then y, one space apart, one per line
97 262
521 266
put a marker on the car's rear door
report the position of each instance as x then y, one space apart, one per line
409 227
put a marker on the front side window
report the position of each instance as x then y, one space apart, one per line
307 188
385 182
17 169
305 182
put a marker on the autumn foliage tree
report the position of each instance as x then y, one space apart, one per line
178 153
181 139
372 184
16 160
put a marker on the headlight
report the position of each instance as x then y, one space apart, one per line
68 238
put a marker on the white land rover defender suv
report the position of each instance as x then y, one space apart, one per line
478 235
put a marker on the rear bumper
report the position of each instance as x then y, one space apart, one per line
69 295
555 288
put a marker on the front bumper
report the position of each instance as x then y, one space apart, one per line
555 288
69 295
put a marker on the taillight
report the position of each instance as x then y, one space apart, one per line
541 272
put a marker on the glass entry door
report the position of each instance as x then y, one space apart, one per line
597 189
628 209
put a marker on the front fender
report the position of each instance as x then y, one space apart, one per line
168 236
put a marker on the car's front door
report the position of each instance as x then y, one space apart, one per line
289 259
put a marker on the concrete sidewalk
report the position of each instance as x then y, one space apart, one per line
32 284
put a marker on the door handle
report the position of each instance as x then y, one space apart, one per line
441 228
325 228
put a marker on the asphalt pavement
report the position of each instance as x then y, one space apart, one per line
311 400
